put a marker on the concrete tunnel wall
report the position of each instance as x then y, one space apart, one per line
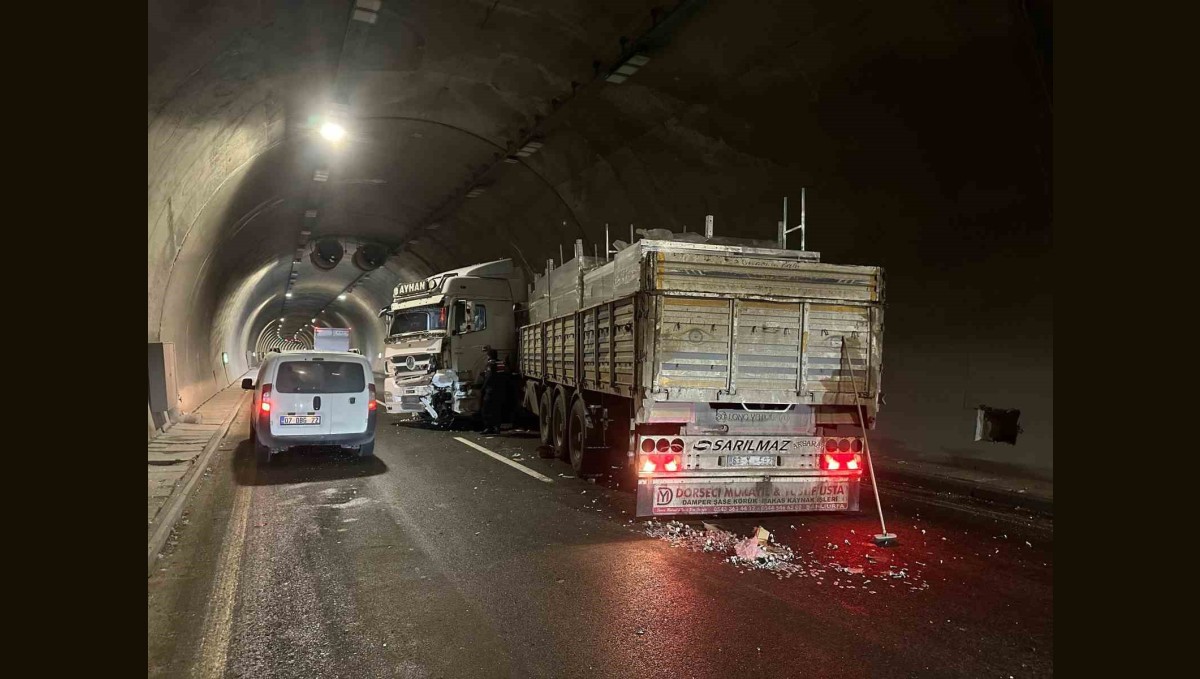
920 132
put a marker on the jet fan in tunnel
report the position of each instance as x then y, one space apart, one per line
370 256
326 253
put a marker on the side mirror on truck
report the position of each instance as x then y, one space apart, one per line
247 383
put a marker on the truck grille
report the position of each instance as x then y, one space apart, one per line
400 365
411 402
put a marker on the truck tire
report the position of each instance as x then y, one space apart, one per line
585 462
545 418
559 424
367 449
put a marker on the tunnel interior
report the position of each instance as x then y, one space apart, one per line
476 130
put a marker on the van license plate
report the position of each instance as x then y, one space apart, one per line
749 460
299 419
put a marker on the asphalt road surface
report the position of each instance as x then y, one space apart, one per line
437 560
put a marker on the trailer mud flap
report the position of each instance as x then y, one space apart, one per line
663 496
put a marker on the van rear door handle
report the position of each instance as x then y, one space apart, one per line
352 399
316 402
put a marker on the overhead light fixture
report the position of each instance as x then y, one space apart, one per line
627 68
287 294
332 131
366 11
476 191
342 296
528 149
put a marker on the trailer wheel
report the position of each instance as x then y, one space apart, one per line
585 463
545 418
560 424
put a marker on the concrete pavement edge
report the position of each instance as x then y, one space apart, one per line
174 507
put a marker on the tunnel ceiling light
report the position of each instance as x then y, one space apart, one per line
630 66
332 131
287 294
476 192
528 149
366 11
321 176
342 296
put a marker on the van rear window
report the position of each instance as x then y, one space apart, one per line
323 377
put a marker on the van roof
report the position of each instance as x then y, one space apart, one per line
305 355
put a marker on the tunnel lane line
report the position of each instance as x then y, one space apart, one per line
505 460
214 645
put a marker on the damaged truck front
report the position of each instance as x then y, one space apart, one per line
730 377
437 329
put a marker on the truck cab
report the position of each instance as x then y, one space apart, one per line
436 333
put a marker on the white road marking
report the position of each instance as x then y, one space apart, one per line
505 460
214 645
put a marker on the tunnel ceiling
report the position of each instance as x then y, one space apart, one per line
739 104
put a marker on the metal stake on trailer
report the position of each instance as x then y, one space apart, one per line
783 229
884 538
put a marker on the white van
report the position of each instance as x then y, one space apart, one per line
312 398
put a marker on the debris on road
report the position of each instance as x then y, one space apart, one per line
760 551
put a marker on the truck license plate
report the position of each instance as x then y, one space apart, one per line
299 419
750 461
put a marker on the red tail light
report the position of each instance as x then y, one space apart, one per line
265 404
371 403
844 445
661 454
834 462
831 445
856 445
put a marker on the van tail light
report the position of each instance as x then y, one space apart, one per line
371 402
265 404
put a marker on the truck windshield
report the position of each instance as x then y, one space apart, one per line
419 319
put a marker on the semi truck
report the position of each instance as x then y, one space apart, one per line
726 377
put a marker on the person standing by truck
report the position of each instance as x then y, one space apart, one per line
494 383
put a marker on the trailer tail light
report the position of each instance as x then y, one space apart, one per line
265 404
843 445
371 403
836 462
661 454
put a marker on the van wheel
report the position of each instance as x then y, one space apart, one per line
367 449
545 416
262 454
584 463
560 425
